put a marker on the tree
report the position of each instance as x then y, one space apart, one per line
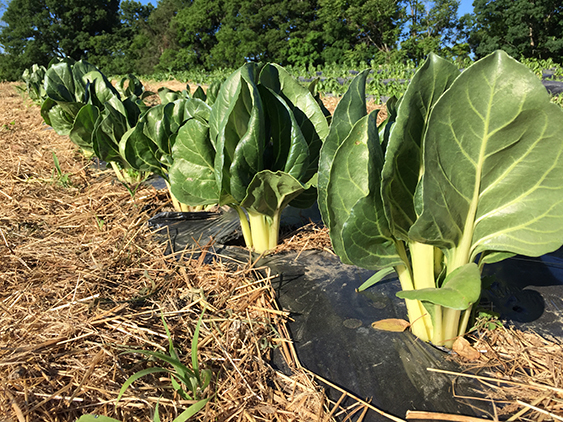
432 29
25 38
359 30
161 36
196 26
123 51
35 31
226 33
523 28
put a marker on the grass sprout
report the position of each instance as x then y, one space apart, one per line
190 384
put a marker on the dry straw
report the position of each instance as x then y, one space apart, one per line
82 280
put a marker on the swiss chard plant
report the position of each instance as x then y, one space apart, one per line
468 172
130 86
83 104
34 79
108 127
147 147
69 86
168 95
257 152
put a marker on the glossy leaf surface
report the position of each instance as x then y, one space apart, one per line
403 157
348 180
460 290
349 110
270 192
192 175
493 165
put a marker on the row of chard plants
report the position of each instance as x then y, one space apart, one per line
466 170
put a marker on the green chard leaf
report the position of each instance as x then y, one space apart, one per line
348 179
192 176
59 83
148 147
303 106
69 86
238 128
403 156
364 235
109 130
289 149
349 110
83 126
493 156
57 116
460 289
139 150
270 192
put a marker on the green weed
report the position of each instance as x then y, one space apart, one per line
189 384
63 179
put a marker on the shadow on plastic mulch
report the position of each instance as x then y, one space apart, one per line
331 322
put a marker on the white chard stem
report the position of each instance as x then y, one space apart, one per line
244 226
451 327
415 309
260 231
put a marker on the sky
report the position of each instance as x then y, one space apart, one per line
465 6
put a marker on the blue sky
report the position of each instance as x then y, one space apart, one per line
465 6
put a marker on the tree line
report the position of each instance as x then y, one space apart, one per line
129 37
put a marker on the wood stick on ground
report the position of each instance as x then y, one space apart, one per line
435 416
537 409
500 380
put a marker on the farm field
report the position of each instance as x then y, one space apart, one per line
83 280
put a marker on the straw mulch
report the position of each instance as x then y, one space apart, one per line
520 373
82 281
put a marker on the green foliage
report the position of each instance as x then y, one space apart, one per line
305 51
461 176
520 27
257 151
36 31
59 176
180 36
84 105
69 86
358 30
128 49
557 99
229 32
189 384
34 78
538 66
435 29
148 145
485 319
